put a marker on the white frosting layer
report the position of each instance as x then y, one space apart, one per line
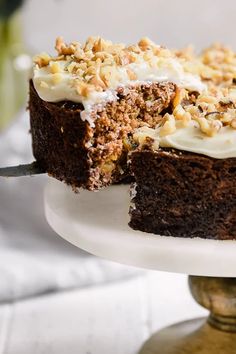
91 74
190 138
162 69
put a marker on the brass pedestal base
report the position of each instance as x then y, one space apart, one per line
191 337
215 335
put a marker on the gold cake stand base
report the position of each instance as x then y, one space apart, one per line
215 335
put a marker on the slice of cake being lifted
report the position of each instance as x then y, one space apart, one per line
185 168
87 101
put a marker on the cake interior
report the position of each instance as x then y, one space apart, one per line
96 107
183 194
94 156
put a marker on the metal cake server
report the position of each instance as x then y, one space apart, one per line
22 170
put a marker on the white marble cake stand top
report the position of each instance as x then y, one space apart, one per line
98 223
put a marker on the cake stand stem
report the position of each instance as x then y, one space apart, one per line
214 335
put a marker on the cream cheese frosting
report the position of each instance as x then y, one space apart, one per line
192 139
91 74
204 109
53 88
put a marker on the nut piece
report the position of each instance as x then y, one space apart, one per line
55 68
145 43
233 123
59 45
181 115
131 74
97 82
210 128
207 99
64 49
83 89
42 59
169 126
226 118
99 64
100 45
179 96
215 126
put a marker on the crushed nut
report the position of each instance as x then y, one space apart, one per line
210 128
169 126
99 64
131 74
181 115
179 96
145 43
233 123
55 68
83 89
42 59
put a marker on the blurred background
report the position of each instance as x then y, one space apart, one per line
33 259
172 23
28 27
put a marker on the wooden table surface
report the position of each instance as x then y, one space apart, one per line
110 319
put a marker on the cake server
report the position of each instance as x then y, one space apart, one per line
22 170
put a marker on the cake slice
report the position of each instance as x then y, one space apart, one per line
185 168
87 101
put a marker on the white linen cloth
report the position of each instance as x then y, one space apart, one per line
33 259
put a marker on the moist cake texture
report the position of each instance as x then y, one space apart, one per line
86 102
101 112
93 157
185 168
184 194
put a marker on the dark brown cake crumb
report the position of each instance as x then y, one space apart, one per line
184 194
82 156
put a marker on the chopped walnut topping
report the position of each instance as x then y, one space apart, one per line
215 126
181 115
42 59
59 45
55 68
233 123
145 43
207 99
131 74
100 45
180 95
216 106
82 88
96 64
169 126
64 49
99 65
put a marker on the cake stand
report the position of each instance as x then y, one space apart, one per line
98 223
